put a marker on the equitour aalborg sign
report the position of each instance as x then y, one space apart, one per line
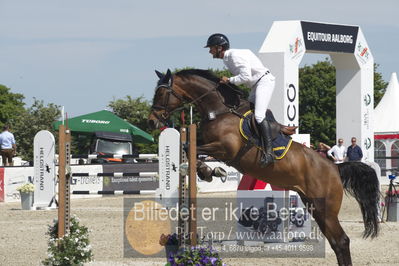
329 37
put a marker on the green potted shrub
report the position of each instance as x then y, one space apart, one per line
26 192
72 249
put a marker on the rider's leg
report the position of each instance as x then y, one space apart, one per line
266 140
264 91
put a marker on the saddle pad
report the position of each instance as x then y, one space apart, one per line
281 143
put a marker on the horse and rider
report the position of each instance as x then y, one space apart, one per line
319 182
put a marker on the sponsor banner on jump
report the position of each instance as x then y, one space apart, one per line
91 182
13 178
44 167
169 166
329 37
130 182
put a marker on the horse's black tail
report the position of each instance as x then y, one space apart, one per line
361 181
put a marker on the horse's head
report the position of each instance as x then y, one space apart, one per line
166 99
191 86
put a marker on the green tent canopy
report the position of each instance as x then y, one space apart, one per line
108 122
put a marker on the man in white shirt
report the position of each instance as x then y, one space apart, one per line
8 146
338 152
247 69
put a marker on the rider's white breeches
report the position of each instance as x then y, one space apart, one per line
261 94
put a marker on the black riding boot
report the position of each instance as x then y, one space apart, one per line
266 139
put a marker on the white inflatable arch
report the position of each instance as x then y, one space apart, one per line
282 52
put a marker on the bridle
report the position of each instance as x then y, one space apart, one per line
163 117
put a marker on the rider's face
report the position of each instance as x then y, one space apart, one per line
215 51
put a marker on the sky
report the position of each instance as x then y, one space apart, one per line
84 54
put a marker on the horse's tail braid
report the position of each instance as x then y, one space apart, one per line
361 181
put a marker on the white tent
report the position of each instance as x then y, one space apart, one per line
386 114
386 127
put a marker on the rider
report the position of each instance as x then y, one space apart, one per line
247 69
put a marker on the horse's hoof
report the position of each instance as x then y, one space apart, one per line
219 172
205 178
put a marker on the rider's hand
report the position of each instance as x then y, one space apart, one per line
224 80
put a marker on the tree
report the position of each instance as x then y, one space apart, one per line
136 112
379 86
317 100
11 106
35 118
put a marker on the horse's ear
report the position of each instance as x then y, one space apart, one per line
159 74
167 76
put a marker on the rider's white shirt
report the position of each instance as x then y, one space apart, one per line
244 65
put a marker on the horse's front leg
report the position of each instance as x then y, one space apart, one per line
214 149
203 170
206 173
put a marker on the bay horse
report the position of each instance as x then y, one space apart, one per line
302 169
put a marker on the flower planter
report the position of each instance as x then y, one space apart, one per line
26 200
171 250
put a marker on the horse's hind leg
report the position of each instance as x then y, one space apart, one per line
326 215
339 241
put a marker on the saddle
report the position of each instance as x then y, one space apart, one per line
281 142
277 128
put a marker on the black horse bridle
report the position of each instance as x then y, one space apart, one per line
163 117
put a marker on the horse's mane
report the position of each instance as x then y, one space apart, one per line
207 74
230 92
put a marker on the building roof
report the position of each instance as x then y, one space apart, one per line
386 114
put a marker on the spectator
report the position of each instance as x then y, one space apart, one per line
323 149
338 152
354 152
8 146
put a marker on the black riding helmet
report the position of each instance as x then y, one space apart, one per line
218 39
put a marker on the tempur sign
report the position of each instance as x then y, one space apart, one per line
93 121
